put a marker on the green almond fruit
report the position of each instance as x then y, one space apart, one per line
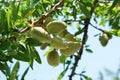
53 58
70 37
58 43
40 34
104 39
63 33
72 48
43 46
47 20
56 27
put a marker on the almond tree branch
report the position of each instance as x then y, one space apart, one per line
96 27
40 20
78 57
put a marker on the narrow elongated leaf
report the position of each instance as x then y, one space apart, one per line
85 77
62 59
24 74
50 49
89 50
36 55
5 45
74 12
28 12
22 57
85 11
15 71
8 15
34 2
2 66
63 73
113 5
32 42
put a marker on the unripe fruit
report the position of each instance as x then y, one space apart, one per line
56 27
104 39
109 35
63 33
72 48
40 34
47 20
70 37
43 46
58 43
53 58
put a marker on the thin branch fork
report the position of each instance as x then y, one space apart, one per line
48 14
78 57
96 27
40 20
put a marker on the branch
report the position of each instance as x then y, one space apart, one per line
74 20
96 27
78 57
40 20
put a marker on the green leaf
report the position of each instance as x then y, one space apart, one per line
32 42
5 45
28 3
22 57
79 32
118 33
50 49
114 32
85 11
46 1
14 72
89 50
34 3
2 66
24 74
3 57
74 12
113 5
13 10
85 77
36 55
8 15
62 59
28 12
63 73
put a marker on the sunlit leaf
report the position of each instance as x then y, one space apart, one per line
28 12
63 73
62 59
50 49
113 5
34 3
118 33
15 70
85 11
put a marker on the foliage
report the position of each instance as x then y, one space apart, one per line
18 16
108 74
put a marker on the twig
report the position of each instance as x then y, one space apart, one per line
96 27
78 57
74 20
40 20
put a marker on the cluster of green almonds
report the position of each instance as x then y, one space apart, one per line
106 36
56 34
